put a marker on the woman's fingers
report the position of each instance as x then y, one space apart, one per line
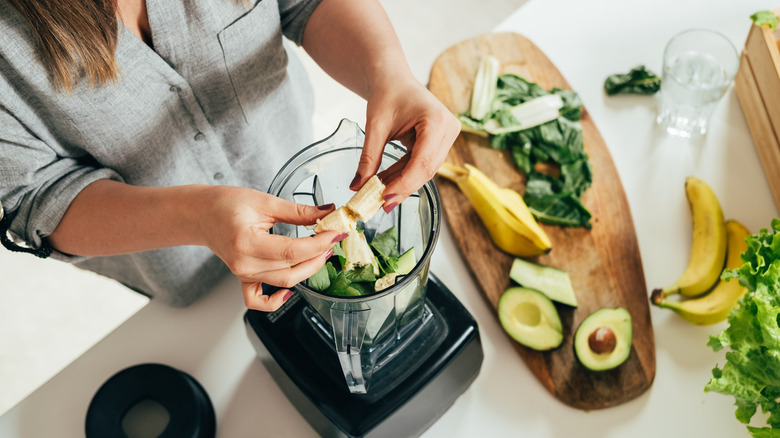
282 210
290 251
377 134
419 165
255 299
285 278
290 276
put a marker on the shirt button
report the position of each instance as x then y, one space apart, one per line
175 89
218 176
199 136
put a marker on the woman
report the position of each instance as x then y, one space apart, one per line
135 136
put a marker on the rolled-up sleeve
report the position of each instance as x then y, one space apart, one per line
37 185
294 15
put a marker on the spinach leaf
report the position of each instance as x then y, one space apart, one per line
361 274
388 264
338 251
332 272
342 286
572 104
386 243
637 81
513 90
320 280
551 205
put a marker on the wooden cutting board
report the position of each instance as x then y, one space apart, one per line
604 262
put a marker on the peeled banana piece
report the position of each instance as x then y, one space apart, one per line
368 200
708 247
510 224
715 306
363 205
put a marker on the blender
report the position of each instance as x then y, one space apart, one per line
387 363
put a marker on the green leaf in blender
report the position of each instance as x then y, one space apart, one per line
386 242
361 274
342 286
320 280
338 251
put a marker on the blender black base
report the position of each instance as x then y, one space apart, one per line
308 372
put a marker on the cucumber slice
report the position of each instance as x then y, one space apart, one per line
553 282
406 262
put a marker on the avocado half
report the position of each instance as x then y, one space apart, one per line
603 339
530 318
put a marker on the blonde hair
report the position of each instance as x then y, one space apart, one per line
77 38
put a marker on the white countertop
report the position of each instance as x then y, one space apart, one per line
587 41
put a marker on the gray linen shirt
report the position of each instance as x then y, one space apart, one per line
218 101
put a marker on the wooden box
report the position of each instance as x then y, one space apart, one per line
758 88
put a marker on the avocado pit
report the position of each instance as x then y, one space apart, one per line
602 340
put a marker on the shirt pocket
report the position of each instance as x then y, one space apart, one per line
254 55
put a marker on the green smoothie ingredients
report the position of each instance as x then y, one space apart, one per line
541 129
358 267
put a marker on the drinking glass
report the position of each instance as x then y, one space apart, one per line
698 67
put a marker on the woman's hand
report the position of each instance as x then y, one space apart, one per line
369 61
404 110
236 229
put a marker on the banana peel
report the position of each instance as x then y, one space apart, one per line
715 306
505 215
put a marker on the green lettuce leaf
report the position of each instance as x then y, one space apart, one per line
765 18
751 373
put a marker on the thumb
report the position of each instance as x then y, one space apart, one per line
289 212
371 157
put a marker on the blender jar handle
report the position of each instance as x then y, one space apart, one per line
349 329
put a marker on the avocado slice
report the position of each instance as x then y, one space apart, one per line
603 339
530 318
553 282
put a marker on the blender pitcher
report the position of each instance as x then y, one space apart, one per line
362 329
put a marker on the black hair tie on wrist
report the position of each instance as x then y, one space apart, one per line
188 405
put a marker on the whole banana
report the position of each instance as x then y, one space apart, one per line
715 306
510 224
708 248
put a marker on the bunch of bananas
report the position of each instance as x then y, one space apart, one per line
510 223
715 241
